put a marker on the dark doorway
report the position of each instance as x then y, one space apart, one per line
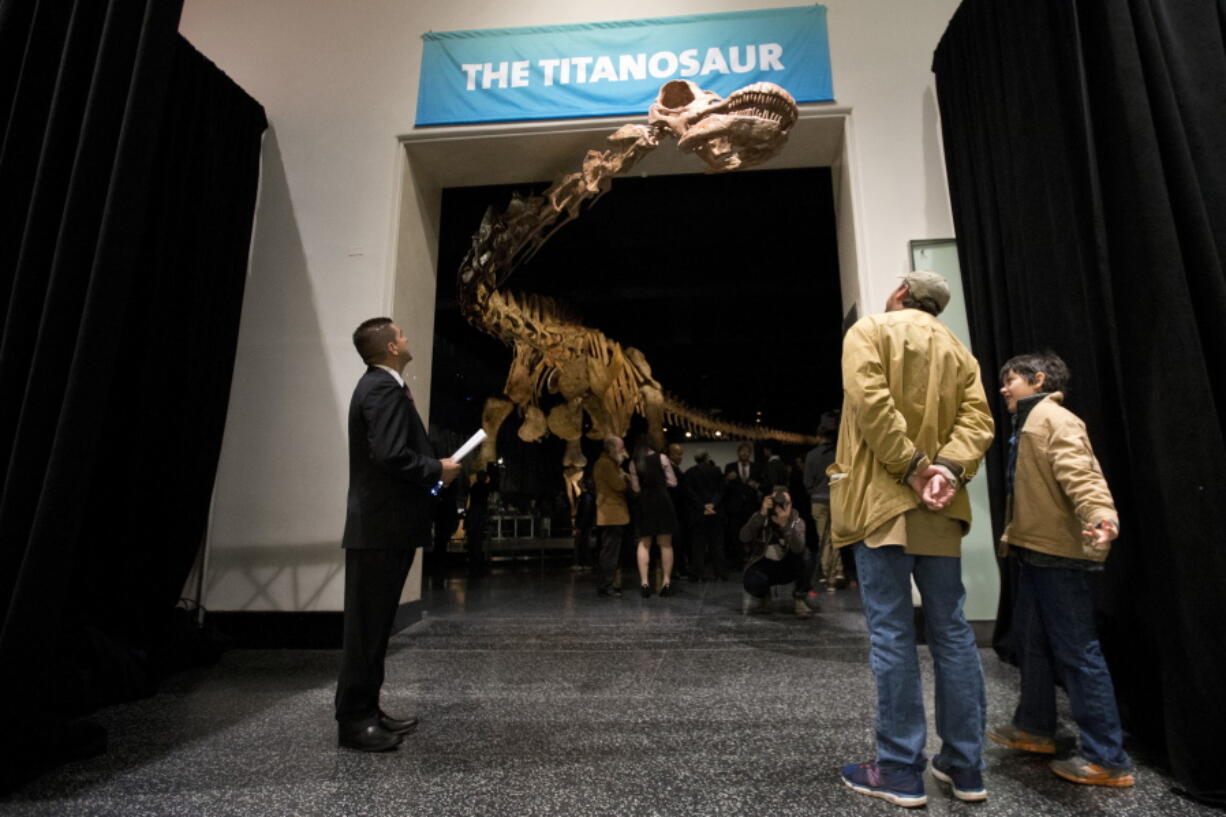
729 285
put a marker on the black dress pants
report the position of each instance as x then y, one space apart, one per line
681 546
609 556
474 526
708 543
583 546
374 580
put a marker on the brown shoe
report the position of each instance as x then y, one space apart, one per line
1015 738
1080 770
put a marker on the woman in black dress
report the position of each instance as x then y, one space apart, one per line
651 475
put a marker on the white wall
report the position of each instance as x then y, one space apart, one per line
338 81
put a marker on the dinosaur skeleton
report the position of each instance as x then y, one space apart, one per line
552 351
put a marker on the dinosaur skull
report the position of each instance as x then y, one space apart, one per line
747 128
680 104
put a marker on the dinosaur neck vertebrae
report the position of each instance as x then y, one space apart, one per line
552 351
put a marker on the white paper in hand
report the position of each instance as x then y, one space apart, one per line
462 452
469 444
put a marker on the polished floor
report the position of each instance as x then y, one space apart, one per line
538 698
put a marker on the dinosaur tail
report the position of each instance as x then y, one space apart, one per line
679 414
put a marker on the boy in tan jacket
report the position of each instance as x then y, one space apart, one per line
1060 524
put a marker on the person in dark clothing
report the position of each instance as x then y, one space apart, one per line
585 520
836 566
774 471
475 521
391 471
796 488
679 494
651 475
742 495
776 539
446 523
705 488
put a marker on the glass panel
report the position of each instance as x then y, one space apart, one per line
979 572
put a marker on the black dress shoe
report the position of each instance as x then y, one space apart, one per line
397 726
371 738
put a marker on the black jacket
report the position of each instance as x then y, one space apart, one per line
706 486
391 468
741 498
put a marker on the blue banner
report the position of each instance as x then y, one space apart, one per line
617 68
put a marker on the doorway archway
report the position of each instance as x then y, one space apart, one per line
525 153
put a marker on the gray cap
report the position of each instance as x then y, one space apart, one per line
928 284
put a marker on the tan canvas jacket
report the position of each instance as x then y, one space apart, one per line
611 508
1058 486
912 395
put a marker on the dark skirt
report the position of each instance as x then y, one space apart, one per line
656 516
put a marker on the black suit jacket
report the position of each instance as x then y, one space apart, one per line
756 472
707 486
741 497
391 468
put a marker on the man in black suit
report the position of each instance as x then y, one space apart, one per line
745 473
774 470
475 520
391 472
706 490
744 484
682 501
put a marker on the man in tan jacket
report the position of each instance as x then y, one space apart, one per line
915 426
612 513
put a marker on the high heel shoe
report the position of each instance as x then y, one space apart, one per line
645 591
666 591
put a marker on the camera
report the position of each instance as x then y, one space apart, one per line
778 499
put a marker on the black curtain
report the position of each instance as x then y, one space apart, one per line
1085 147
129 167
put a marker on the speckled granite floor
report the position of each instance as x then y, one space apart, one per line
538 698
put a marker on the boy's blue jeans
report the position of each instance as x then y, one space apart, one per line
1054 622
885 592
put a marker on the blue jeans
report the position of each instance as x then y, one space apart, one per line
1054 621
961 705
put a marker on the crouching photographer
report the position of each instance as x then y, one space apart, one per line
775 537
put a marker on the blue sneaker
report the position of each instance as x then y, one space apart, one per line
902 788
967 784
